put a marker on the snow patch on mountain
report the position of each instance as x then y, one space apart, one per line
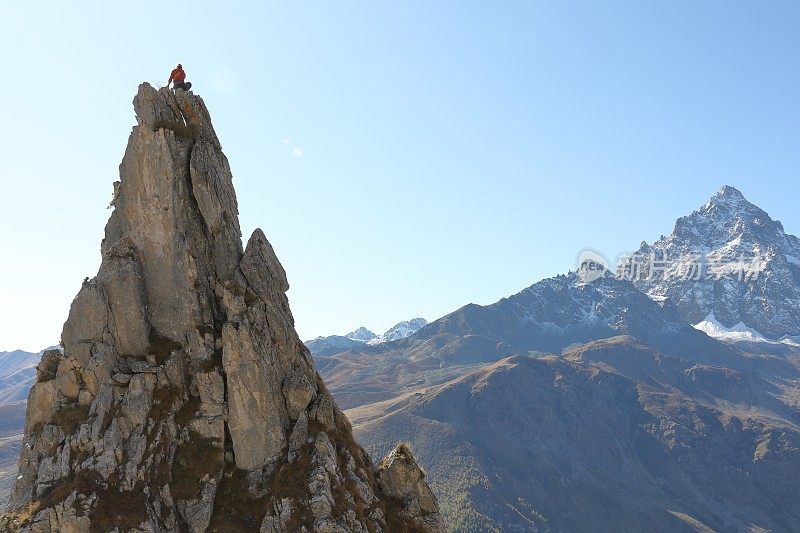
738 333
791 341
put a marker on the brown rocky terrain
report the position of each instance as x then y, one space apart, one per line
183 399
608 436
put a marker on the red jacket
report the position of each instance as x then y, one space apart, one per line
177 75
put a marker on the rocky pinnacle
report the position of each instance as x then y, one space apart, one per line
183 399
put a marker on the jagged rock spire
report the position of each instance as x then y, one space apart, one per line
184 399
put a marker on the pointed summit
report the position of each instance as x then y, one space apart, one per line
361 334
184 399
730 258
729 203
728 220
727 192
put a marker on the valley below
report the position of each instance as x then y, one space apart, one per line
9 454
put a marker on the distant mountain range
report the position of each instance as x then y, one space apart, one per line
664 396
356 339
17 375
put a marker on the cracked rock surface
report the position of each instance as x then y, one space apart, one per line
184 399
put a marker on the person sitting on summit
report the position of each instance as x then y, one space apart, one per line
178 76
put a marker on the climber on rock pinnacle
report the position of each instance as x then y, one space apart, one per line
178 76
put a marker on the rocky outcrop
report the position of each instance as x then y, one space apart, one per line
183 399
402 479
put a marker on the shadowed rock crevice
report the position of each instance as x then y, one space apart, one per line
183 399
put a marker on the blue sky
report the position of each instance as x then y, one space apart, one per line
404 158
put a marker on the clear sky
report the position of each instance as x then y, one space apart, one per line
404 158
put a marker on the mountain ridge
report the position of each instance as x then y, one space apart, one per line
591 405
362 336
611 435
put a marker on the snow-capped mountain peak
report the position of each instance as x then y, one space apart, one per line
729 258
400 331
730 194
355 339
361 334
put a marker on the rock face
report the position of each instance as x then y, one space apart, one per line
183 399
